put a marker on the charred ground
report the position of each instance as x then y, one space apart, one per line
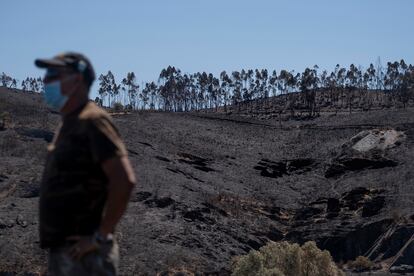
212 186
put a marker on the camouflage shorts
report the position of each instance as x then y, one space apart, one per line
103 262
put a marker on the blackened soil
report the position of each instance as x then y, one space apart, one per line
215 186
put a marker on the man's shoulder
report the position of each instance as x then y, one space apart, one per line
92 112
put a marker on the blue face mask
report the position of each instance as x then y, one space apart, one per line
53 96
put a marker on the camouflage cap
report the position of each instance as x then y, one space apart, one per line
73 60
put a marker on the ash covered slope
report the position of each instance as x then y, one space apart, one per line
214 186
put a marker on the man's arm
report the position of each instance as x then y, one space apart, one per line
121 180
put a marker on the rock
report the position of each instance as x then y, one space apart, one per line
372 207
368 199
299 165
276 169
355 194
366 150
20 221
271 169
377 139
354 199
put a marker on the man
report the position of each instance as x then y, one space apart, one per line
87 179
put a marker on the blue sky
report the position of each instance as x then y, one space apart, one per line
145 36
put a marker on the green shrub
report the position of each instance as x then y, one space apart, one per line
361 263
286 259
117 107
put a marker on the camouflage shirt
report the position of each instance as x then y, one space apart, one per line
74 187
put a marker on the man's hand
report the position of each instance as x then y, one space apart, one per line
83 245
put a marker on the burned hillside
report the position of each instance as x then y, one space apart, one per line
216 185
